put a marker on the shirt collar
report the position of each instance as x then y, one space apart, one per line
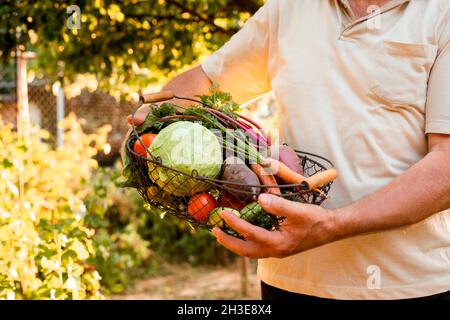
387 6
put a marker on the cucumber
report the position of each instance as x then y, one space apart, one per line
251 211
254 214
214 218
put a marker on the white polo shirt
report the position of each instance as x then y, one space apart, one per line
363 93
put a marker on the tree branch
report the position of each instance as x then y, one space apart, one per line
250 6
198 17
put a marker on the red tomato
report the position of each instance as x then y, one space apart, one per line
200 205
147 139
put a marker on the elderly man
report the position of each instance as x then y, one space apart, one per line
366 83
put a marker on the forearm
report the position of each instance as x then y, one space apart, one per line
420 192
189 84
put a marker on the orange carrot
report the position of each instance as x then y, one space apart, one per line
266 179
284 172
321 178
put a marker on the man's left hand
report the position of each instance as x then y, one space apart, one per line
305 226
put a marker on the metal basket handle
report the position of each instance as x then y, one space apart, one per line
166 95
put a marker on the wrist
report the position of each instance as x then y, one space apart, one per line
340 223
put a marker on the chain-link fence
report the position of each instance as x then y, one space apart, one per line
42 105
96 108
8 98
8 102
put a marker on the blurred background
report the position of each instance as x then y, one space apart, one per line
70 73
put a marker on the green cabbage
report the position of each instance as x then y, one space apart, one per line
187 147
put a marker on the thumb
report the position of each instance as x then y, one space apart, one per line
279 206
140 115
123 145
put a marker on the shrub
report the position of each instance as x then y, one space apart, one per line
44 245
68 232
177 241
116 214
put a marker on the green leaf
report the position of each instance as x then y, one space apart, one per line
7 164
220 100
166 109
116 288
48 253
69 254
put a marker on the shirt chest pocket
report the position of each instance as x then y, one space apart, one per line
400 72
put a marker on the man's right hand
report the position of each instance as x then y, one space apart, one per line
140 115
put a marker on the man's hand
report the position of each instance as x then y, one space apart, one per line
421 191
139 117
306 226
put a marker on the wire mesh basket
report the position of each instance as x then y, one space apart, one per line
201 210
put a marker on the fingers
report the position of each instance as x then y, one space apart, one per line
240 247
140 115
246 229
122 147
279 206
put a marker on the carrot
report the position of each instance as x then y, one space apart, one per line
266 179
284 172
321 178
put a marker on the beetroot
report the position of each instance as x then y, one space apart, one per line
236 171
226 199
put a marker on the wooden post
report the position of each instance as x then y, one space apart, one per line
59 117
23 110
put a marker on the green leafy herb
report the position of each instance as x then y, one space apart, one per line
166 109
220 100
209 121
